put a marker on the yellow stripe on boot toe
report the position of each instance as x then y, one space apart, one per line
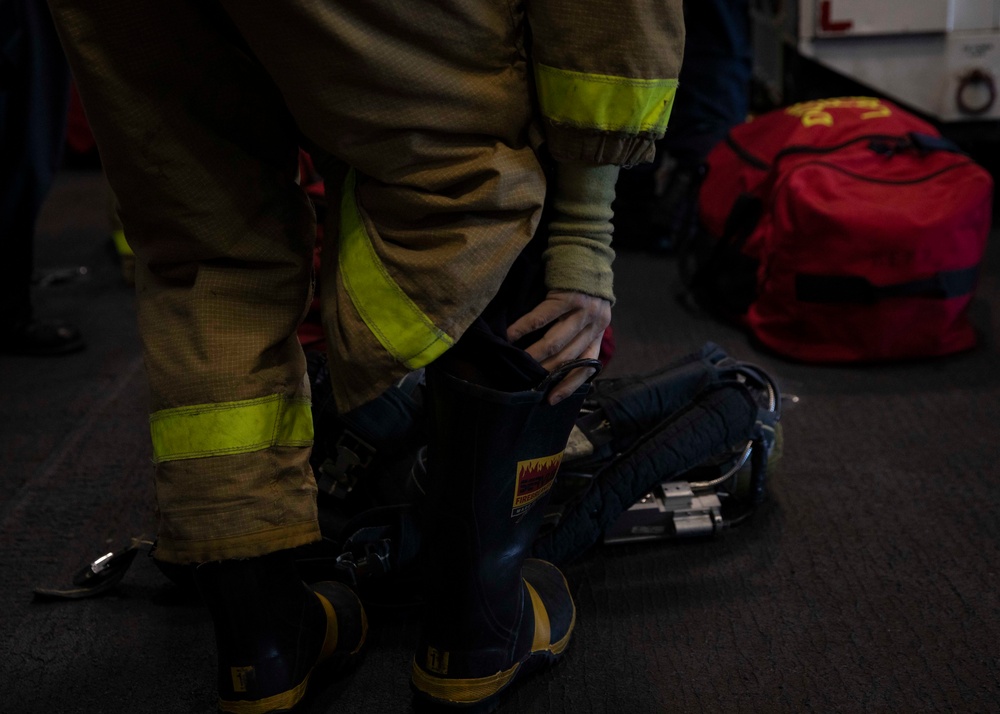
280 702
462 691
542 641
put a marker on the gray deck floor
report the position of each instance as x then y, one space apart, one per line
868 583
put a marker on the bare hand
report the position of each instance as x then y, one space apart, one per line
575 323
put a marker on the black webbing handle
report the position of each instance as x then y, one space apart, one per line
856 289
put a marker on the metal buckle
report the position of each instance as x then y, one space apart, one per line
338 476
374 562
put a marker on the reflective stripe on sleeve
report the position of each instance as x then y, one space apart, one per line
597 101
225 428
399 325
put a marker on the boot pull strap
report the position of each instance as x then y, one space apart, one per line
557 375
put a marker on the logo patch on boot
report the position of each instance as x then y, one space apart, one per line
437 661
244 678
534 479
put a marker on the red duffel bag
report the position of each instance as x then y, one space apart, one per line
842 230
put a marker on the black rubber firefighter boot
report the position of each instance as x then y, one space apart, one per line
273 631
491 615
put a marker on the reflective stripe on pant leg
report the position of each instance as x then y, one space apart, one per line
239 427
400 326
204 169
233 478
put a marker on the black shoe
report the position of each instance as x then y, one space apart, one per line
41 338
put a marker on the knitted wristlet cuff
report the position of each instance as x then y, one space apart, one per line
567 143
579 253
572 264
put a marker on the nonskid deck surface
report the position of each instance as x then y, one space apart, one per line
868 582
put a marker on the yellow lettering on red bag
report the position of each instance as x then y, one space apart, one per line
816 112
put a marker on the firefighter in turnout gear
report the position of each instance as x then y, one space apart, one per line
441 130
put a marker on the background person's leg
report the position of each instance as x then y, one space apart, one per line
714 91
657 203
34 98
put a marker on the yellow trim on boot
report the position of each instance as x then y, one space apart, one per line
461 691
473 691
543 632
288 699
330 644
278 702
332 629
364 629
537 644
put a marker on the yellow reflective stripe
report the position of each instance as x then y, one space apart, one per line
543 630
283 701
461 691
399 325
332 629
121 245
230 427
597 101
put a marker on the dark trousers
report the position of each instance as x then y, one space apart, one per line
34 97
714 92
713 97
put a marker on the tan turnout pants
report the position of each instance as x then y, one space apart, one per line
199 108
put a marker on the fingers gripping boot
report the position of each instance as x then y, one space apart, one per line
491 616
273 631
